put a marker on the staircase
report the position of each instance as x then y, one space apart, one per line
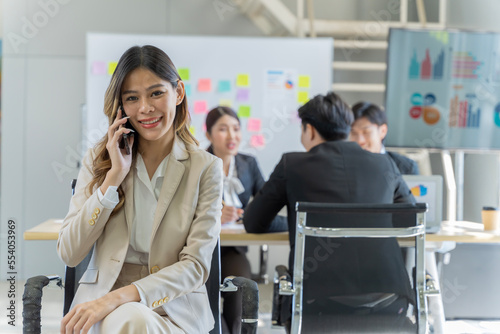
274 18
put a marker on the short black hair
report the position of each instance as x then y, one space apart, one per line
329 115
371 111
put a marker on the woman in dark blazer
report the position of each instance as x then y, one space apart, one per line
242 180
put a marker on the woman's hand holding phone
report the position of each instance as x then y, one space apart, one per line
120 160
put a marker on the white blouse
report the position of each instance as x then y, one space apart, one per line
146 193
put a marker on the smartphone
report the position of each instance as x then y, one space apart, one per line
124 141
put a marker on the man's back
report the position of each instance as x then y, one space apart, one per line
336 172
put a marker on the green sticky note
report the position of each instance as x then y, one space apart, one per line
111 67
302 97
184 73
304 81
243 80
244 111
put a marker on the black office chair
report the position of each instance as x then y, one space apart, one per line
32 296
328 239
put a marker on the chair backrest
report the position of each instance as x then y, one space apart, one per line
346 250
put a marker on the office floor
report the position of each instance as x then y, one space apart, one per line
53 300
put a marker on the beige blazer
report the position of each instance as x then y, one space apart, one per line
185 231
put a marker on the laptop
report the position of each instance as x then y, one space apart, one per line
428 189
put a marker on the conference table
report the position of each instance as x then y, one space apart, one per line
454 232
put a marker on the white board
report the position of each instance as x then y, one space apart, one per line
279 72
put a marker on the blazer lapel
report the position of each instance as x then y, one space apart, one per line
171 180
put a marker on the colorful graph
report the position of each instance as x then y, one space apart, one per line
419 190
465 65
423 107
426 70
464 113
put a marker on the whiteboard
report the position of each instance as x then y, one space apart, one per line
265 80
443 89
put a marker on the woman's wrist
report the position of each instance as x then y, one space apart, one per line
123 295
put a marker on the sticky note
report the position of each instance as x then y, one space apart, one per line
226 103
254 124
304 81
192 130
257 141
204 85
224 86
244 111
242 95
302 97
187 87
184 73
111 67
200 107
98 67
243 80
204 127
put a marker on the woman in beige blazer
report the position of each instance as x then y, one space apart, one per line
151 217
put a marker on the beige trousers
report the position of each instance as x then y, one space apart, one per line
132 318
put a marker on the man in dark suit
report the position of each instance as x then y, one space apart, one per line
335 170
369 130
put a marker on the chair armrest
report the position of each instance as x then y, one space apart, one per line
250 301
32 302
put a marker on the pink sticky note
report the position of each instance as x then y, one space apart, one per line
204 85
204 127
200 107
98 67
254 124
257 141
242 95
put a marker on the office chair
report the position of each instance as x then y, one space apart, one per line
32 296
349 251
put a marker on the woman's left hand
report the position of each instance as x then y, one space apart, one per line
83 316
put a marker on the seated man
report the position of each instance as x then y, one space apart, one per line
369 130
335 170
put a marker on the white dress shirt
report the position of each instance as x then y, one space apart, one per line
146 193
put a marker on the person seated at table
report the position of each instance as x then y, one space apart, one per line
242 179
369 130
335 170
148 206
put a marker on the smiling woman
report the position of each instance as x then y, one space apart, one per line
151 216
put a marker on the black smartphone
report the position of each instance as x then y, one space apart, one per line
124 141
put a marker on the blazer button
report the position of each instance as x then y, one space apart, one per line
155 304
94 216
160 302
97 211
155 269
91 222
165 299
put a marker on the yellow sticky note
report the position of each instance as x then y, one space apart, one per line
302 97
111 67
184 73
226 103
304 81
243 80
192 130
244 111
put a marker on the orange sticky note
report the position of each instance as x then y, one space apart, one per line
200 107
257 141
204 85
254 124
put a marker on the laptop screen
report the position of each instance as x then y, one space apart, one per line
428 189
